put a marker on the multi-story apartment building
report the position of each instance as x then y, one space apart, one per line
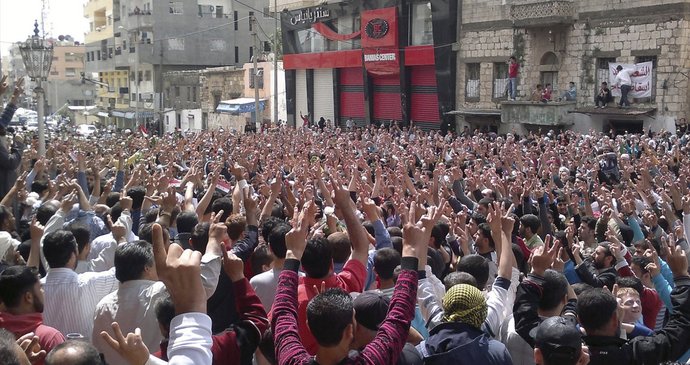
563 41
64 85
150 38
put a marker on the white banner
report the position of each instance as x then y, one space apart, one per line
641 79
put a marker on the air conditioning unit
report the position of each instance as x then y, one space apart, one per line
211 8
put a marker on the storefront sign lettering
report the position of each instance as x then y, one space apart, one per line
310 15
377 57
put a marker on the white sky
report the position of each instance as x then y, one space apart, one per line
17 19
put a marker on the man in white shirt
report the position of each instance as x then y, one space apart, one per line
133 304
266 283
71 298
624 81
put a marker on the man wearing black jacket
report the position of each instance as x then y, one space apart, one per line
597 314
599 270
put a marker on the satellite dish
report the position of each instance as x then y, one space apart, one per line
68 37
61 38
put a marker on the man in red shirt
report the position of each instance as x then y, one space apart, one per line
513 70
317 263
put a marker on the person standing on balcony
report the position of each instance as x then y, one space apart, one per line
513 70
624 81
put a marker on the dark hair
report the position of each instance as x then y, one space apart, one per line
45 212
476 266
131 259
317 258
607 251
369 227
555 287
224 204
58 248
39 186
340 246
580 288
619 67
385 262
397 243
146 233
276 239
199 237
328 314
165 311
531 221
81 234
137 193
513 58
590 222
631 282
115 212
394 231
478 217
260 257
268 225
456 278
80 353
595 308
485 231
112 199
14 282
151 215
8 354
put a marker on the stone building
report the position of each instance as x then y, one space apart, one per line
218 84
564 41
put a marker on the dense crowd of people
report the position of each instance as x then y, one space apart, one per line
326 246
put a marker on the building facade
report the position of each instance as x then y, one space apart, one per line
150 38
64 85
563 41
370 61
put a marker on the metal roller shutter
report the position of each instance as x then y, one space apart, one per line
323 94
424 96
301 95
351 89
387 103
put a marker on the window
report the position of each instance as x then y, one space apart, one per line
251 53
548 74
176 44
267 46
194 94
421 29
147 75
176 7
216 45
603 72
251 15
219 11
472 81
70 72
237 55
141 76
500 80
653 60
88 57
98 55
551 77
189 93
235 19
258 76
177 91
266 12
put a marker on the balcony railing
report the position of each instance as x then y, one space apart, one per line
543 13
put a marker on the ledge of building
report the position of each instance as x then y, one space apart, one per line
613 110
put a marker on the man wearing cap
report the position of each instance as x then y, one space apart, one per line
558 342
370 312
459 339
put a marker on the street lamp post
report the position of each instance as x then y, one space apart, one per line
38 56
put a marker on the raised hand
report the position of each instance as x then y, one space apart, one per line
131 348
543 257
416 235
296 239
677 261
31 347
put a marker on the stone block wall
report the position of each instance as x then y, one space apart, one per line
227 82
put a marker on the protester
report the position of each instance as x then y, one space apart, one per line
511 226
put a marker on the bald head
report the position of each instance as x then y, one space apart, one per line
74 353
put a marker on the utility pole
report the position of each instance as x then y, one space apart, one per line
136 72
254 74
275 62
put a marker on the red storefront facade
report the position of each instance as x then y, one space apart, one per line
386 75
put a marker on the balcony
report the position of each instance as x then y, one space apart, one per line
543 13
552 114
